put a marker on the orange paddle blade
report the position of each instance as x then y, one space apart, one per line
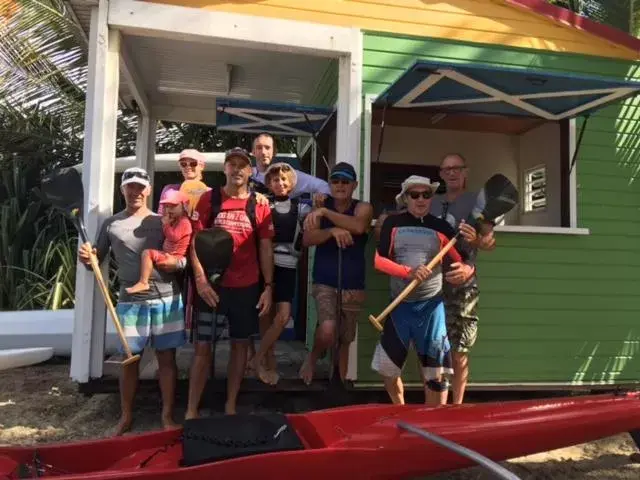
194 190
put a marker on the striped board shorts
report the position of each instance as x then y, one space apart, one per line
158 323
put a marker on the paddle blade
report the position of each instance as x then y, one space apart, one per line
194 190
497 197
214 248
63 189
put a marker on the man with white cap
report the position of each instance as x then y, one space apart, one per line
154 316
408 241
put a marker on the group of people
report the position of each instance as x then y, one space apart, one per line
165 292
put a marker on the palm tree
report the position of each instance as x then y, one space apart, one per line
43 75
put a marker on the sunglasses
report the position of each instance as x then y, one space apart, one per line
337 181
192 163
128 175
452 169
426 195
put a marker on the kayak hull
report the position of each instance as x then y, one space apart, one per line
361 441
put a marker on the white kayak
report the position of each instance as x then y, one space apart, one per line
46 328
22 357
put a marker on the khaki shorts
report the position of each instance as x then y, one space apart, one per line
326 304
461 309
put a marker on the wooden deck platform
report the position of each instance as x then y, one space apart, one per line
289 355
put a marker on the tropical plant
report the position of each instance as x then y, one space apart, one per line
43 78
37 251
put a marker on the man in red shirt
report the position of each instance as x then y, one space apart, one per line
242 297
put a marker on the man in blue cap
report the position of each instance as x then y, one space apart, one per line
342 222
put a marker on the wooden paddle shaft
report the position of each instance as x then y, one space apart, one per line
114 316
378 321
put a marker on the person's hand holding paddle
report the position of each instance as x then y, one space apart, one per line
84 253
468 232
421 272
206 292
487 242
343 237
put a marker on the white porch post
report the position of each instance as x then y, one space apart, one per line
348 119
146 148
348 135
97 177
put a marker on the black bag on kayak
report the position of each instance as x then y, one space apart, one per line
222 437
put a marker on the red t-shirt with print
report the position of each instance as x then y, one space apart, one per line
243 270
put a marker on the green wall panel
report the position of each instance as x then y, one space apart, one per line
553 308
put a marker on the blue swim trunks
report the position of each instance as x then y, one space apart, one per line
423 324
158 322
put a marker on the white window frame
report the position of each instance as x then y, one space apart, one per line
572 229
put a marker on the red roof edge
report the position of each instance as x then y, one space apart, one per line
559 14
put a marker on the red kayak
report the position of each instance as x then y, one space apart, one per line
363 441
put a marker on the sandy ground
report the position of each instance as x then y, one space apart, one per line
41 404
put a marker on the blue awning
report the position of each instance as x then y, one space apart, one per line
275 118
475 89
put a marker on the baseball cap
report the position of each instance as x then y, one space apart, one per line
193 154
135 175
343 170
237 152
174 197
416 180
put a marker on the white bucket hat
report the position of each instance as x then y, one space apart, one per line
411 181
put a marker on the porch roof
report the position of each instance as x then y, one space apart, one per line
185 80
495 90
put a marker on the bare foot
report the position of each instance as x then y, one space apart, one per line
272 363
306 371
168 423
124 425
229 409
138 287
263 373
191 415
274 377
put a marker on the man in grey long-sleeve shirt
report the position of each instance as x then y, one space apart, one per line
155 316
264 149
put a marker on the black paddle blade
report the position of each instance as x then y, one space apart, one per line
497 197
63 189
214 248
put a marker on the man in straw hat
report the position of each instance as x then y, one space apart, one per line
408 241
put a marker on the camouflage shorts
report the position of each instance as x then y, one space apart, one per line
461 309
326 307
